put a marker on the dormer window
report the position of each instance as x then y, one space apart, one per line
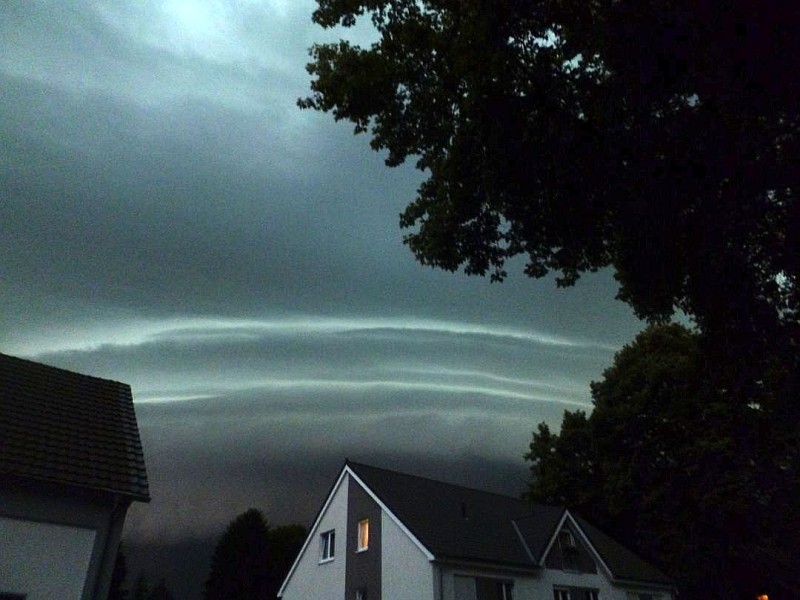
567 540
327 545
363 535
569 550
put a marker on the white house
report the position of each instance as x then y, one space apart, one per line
386 535
71 463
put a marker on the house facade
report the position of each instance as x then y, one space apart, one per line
71 463
386 535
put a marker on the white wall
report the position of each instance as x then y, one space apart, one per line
44 560
554 577
406 573
529 587
310 579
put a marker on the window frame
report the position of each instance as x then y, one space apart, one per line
561 593
327 546
362 535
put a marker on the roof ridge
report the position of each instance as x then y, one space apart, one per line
436 481
62 369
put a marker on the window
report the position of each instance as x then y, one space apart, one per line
566 540
569 550
504 590
327 545
487 588
363 535
561 594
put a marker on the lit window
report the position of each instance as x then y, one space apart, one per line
327 545
363 535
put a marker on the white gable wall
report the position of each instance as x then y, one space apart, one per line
406 573
46 561
311 580
550 578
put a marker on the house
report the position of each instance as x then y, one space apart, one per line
386 535
71 463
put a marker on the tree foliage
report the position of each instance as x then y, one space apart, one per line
659 138
251 560
673 469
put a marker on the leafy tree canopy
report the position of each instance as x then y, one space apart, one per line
660 138
703 488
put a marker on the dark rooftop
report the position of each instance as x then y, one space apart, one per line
460 523
66 428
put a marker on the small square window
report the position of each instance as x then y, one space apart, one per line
327 545
363 535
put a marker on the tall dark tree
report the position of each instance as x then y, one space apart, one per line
285 543
668 465
240 563
251 559
659 138
140 591
160 592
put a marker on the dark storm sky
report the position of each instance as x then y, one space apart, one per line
170 219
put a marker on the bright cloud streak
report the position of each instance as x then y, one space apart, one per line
138 332
353 385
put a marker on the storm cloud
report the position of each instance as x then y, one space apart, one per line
169 218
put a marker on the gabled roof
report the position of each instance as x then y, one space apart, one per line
453 522
624 564
66 428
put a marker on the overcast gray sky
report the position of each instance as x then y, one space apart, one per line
170 219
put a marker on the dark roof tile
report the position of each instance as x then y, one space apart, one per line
459 523
64 427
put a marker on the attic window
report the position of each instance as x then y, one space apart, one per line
363 535
569 550
566 539
327 545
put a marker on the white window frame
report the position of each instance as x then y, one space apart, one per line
362 535
327 546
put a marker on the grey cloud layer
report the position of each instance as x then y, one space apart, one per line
170 219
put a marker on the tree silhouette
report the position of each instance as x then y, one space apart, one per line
675 471
658 138
160 592
250 560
